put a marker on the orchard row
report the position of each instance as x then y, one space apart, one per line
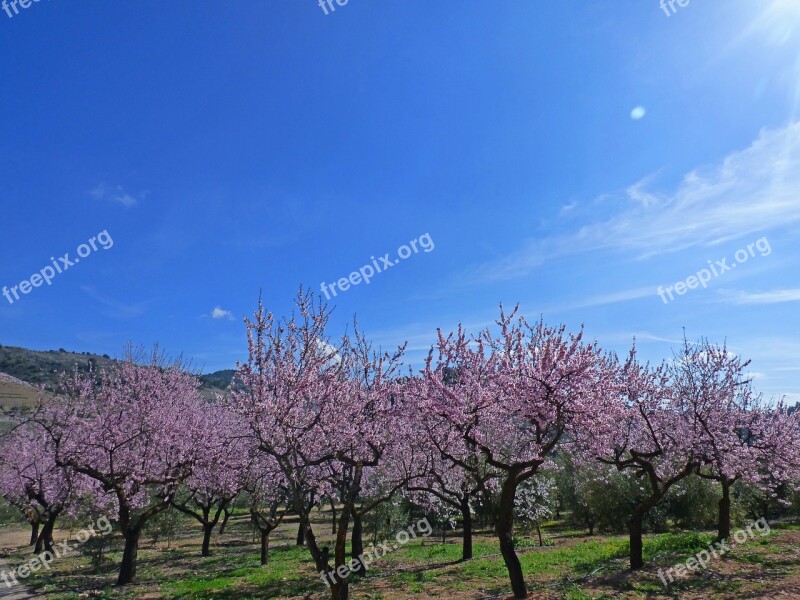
311 418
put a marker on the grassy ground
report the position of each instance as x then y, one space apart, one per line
570 566
16 396
16 399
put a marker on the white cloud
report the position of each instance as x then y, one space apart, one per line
791 398
220 313
568 208
124 198
638 113
99 191
116 194
751 190
771 297
331 352
613 298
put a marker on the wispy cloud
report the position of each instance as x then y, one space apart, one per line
614 298
117 194
115 309
625 337
568 208
771 297
749 191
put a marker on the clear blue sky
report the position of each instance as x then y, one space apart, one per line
232 147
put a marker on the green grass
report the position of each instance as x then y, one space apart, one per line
571 567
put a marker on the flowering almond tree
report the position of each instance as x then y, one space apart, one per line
367 435
268 491
449 492
513 398
136 429
326 415
712 382
739 438
218 474
776 438
289 392
655 438
535 500
31 481
441 485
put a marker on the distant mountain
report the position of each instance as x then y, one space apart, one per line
219 379
42 367
37 367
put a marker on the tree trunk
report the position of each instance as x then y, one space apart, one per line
127 570
724 527
321 555
340 555
591 527
224 521
504 527
539 531
466 520
357 543
635 532
333 512
264 548
301 538
208 529
45 540
34 533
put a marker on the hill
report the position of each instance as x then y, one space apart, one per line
16 395
42 367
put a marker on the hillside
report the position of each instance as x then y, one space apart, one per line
41 367
16 395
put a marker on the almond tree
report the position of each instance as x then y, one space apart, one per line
31 481
713 382
136 429
368 436
323 413
776 438
535 500
449 492
218 474
655 438
288 389
268 491
441 485
739 438
514 397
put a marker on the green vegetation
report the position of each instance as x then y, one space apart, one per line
571 566
43 367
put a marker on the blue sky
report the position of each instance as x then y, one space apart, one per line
235 147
